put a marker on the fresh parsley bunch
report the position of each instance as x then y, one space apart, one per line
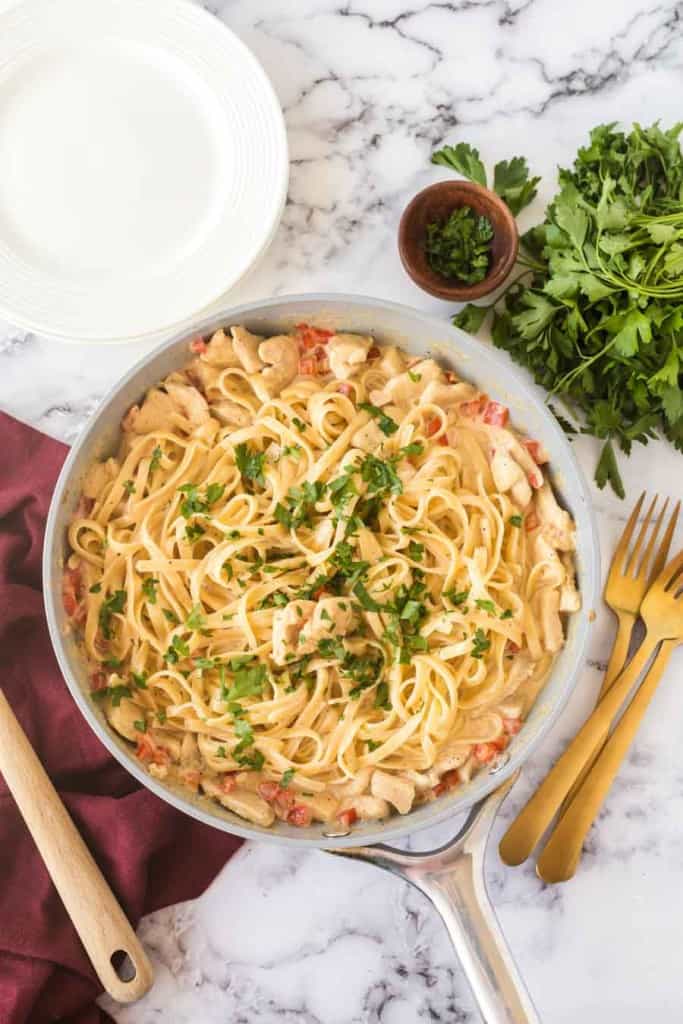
600 319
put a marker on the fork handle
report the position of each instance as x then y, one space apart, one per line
614 666
526 830
560 858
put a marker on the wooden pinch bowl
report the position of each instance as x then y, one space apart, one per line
437 202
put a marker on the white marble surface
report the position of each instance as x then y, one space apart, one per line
368 88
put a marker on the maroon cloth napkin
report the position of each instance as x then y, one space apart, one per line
151 854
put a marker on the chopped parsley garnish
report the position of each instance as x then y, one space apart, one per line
456 597
140 680
414 448
196 620
382 699
220 752
214 493
178 649
299 424
287 777
204 663
170 616
515 520
194 505
161 716
480 643
254 761
278 599
415 377
112 663
113 605
507 614
365 600
486 606
155 460
415 551
193 531
364 670
300 505
292 451
380 476
250 464
341 490
129 486
384 422
115 693
248 681
149 586
96 588
140 724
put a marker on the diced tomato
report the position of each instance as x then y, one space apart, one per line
300 815
309 336
349 817
98 681
346 389
84 507
474 407
373 352
308 366
228 783
320 592
535 479
536 451
511 647
486 752
191 778
71 590
269 790
198 346
530 522
496 414
449 780
147 750
442 440
432 426
512 726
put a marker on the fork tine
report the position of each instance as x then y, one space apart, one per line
622 546
631 564
652 541
663 553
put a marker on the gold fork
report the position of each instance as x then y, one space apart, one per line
563 851
662 612
626 586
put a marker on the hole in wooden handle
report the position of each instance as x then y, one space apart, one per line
123 965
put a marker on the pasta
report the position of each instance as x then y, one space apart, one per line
321 580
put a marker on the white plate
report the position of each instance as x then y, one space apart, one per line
143 165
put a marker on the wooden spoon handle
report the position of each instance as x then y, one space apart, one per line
100 922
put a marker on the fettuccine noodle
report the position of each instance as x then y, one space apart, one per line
321 580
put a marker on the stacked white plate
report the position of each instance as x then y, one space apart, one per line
144 165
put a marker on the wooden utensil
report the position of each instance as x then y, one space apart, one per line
662 614
100 922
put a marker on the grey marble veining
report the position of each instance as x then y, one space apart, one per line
369 88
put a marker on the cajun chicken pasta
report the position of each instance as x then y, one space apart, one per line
321 580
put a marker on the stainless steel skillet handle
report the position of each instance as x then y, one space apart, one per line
453 879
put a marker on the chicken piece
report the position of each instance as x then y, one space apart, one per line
554 574
446 395
155 413
98 477
521 493
281 356
246 345
570 600
369 438
547 602
521 669
346 352
405 389
190 402
287 626
505 471
556 523
332 617
391 362
124 716
368 808
241 801
189 752
220 351
398 791
323 532
452 757
231 414
205 377
370 550
322 805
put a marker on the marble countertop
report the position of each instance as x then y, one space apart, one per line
369 88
